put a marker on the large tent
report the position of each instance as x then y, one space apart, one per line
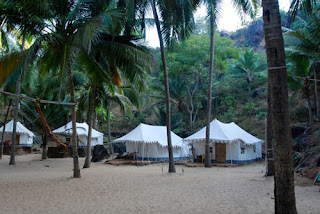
24 136
149 142
64 133
229 143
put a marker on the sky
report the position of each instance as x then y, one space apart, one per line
228 19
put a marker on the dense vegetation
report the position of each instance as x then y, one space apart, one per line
239 85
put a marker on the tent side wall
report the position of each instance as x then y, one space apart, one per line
233 152
83 140
24 139
153 151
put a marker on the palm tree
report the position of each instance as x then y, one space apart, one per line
305 42
67 28
250 66
299 76
176 16
245 6
277 72
110 60
177 22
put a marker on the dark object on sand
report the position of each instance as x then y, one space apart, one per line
99 153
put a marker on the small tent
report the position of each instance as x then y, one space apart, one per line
64 133
24 136
149 142
229 143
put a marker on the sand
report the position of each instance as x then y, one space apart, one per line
34 186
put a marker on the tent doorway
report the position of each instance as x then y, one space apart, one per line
17 140
220 152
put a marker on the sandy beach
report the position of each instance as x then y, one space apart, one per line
34 186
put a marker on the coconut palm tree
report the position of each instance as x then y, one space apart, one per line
305 42
299 75
111 59
176 19
277 73
250 66
245 6
69 28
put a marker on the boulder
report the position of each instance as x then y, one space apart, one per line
99 153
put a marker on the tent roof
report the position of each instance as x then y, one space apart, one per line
144 133
224 133
21 129
82 129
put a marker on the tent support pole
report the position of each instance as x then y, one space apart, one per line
231 153
142 151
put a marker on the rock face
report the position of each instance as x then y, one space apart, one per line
99 153
255 33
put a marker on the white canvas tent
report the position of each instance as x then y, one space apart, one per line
24 135
229 142
64 133
149 142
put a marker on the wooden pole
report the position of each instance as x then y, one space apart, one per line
36 100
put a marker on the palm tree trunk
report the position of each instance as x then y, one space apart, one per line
91 112
108 121
4 128
44 144
108 126
269 144
164 63
277 71
316 93
76 168
15 113
207 149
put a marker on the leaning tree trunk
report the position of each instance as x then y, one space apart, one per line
44 144
316 95
168 115
269 144
277 71
4 128
91 113
15 112
76 168
207 149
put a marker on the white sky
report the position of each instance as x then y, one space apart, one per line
227 20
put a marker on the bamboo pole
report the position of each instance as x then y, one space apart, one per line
36 100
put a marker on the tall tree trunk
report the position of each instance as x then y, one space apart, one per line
44 144
4 128
108 126
309 109
76 168
16 111
91 113
207 149
269 143
316 93
277 71
108 121
164 63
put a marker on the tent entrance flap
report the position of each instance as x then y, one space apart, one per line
220 152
